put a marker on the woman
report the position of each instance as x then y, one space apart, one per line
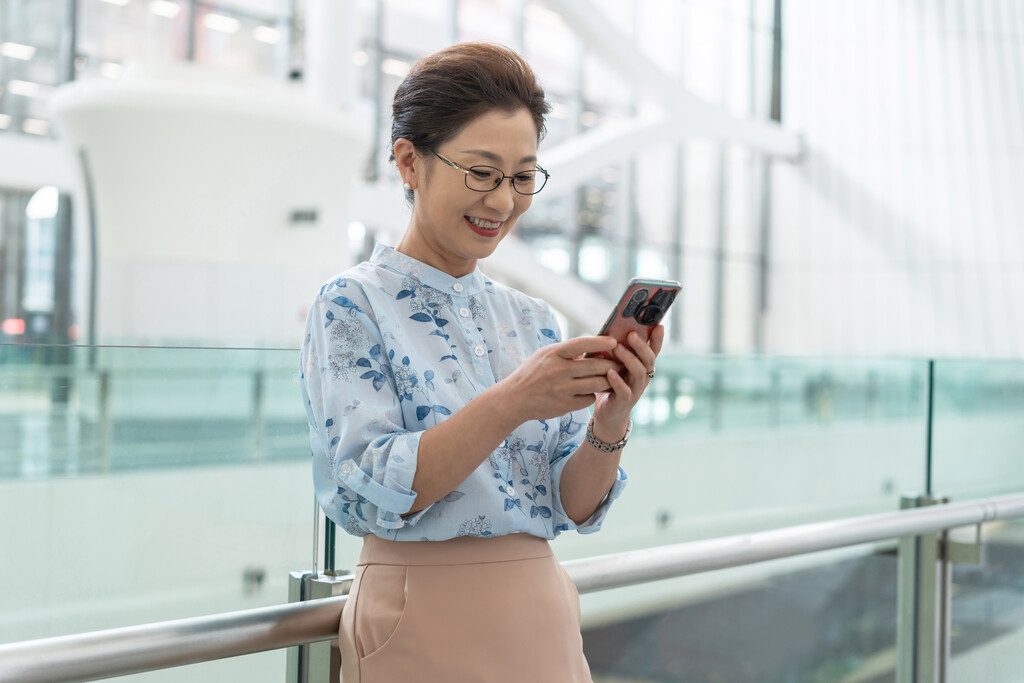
448 421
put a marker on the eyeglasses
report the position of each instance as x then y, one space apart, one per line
487 178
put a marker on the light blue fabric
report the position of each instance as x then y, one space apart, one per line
394 347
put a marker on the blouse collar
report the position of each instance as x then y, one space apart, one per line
386 256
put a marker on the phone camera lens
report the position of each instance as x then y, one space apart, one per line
635 302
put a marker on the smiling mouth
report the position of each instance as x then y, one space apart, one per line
483 227
485 224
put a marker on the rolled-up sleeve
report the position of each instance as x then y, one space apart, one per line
364 459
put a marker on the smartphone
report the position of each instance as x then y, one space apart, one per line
641 307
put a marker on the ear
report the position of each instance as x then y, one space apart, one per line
406 158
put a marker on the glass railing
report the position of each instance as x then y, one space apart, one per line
978 431
157 483
80 410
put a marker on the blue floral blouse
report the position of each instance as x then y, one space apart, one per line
393 347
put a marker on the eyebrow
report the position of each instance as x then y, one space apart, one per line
491 156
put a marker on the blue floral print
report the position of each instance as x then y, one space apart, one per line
393 347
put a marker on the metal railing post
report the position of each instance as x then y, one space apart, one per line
318 662
924 593
258 426
106 427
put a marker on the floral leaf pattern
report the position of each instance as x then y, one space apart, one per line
393 347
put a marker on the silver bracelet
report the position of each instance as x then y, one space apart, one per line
604 445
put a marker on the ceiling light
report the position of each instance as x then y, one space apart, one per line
395 67
164 8
5 120
360 58
35 126
265 34
43 204
17 51
26 88
219 22
119 3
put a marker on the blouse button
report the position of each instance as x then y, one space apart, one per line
457 287
511 492
464 312
479 350
346 467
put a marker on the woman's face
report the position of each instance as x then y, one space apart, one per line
452 226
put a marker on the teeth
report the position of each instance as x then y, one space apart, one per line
481 223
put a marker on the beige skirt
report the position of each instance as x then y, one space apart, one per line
469 609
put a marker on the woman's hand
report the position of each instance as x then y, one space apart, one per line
556 379
612 409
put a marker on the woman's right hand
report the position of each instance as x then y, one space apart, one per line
556 379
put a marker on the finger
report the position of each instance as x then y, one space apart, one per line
657 339
632 363
581 345
620 386
643 350
581 402
591 385
588 367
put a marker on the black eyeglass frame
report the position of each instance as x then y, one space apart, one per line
511 178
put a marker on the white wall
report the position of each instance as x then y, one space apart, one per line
901 232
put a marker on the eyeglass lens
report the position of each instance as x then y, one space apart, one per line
487 178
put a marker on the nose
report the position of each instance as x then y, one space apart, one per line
501 198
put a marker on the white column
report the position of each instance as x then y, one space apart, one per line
330 42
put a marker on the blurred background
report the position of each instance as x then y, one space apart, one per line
836 184
823 177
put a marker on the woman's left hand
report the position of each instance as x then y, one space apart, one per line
612 408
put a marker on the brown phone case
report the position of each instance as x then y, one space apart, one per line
641 307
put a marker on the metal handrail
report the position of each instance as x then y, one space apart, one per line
163 645
135 649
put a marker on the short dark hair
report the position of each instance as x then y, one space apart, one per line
447 90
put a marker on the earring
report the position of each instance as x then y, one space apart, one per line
406 186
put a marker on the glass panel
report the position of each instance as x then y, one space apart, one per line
978 428
824 617
161 483
76 410
977 432
732 445
723 446
151 484
988 610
